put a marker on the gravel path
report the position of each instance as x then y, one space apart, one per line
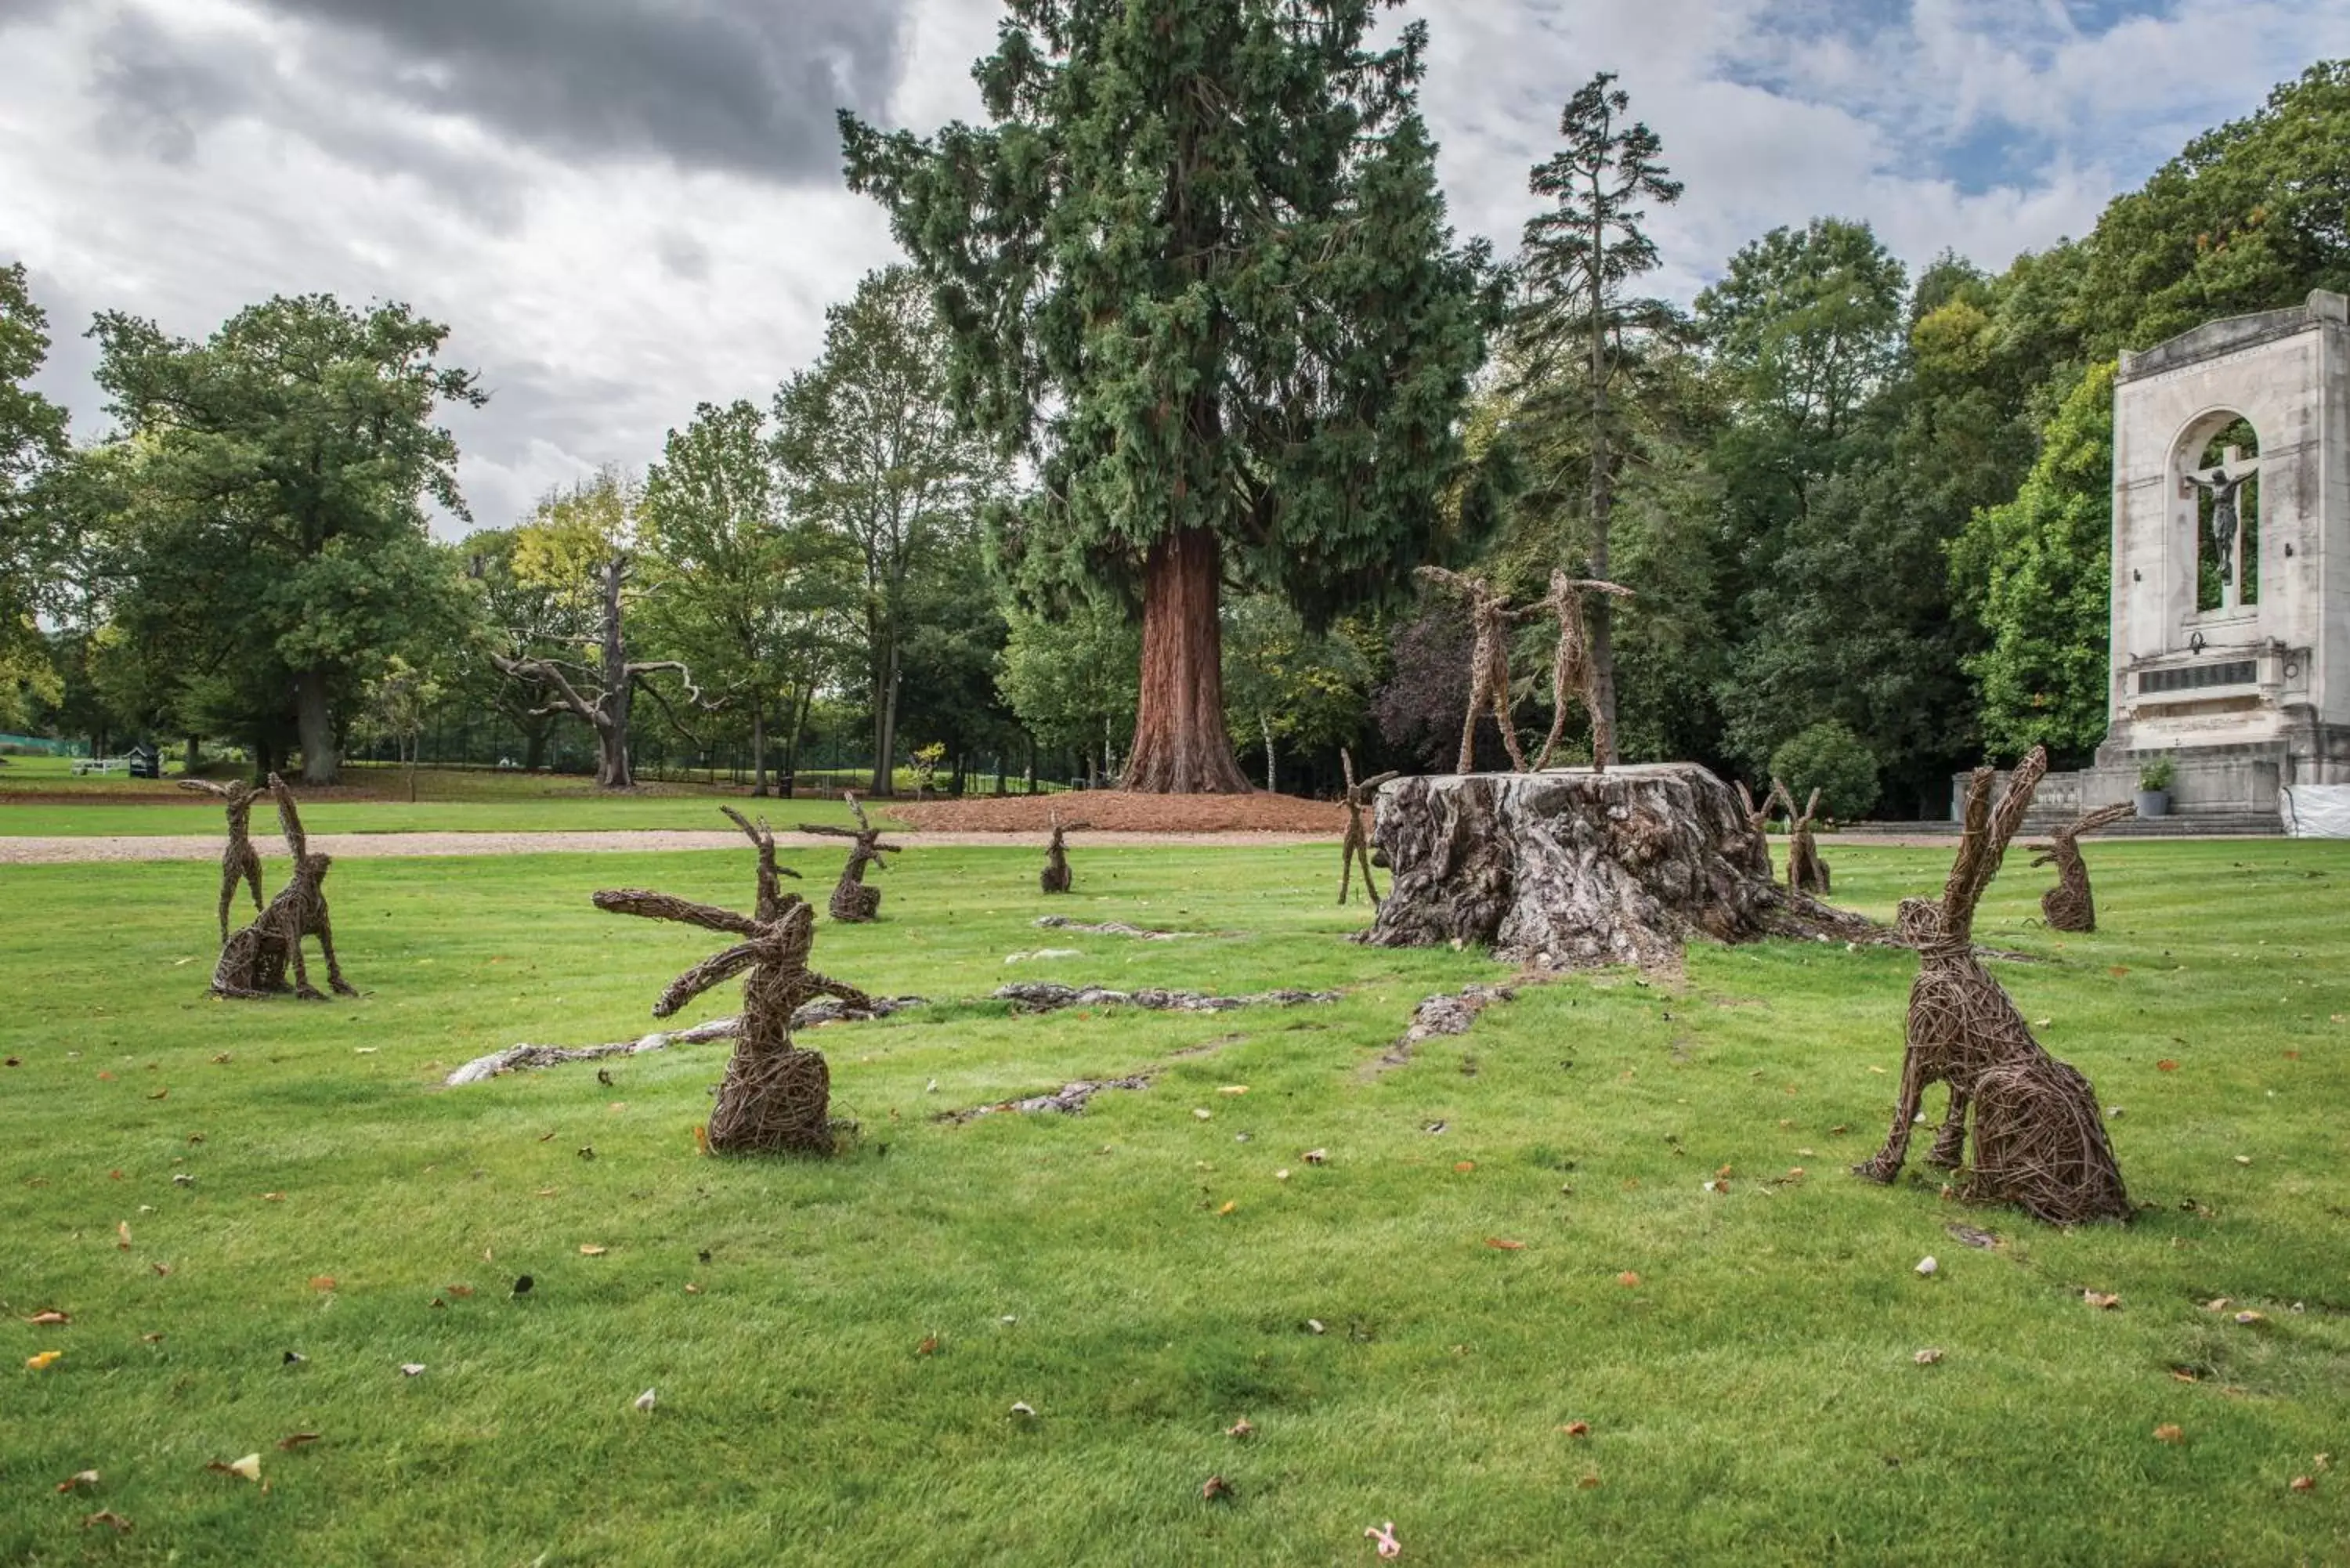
398 846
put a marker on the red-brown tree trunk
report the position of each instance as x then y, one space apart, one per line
1180 746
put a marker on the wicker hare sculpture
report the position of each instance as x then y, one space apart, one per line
2039 1142
240 862
1054 878
775 1096
852 901
1574 667
2067 905
1489 662
1806 872
1357 846
253 961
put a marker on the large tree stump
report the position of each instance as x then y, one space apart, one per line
1574 868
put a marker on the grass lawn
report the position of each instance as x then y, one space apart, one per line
1140 1275
40 799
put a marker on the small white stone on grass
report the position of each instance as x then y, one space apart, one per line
1929 1267
646 1400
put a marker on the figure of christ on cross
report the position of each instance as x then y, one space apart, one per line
2221 483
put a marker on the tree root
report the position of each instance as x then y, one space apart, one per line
1044 996
1445 1014
1069 1100
1109 928
525 1058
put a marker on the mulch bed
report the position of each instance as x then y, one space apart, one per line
1113 811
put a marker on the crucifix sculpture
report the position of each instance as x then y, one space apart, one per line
2222 483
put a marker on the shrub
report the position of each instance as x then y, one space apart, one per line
1830 758
2156 776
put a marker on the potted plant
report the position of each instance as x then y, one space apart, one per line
2154 781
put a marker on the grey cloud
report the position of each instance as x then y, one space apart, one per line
748 86
160 90
685 256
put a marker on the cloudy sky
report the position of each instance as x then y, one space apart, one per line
624 207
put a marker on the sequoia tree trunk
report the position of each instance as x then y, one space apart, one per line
314 720
1181 745
1573 869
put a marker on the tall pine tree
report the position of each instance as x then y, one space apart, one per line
1576 323
1197 270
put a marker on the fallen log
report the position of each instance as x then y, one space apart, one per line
525 1058
1045 996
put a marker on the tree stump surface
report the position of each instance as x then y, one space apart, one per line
1575 869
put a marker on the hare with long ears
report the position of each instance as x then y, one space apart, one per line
1575 668
775 1095
1758 818
1359 798
253 961
1489 662
2069 905
2038 1141
852 901
240 862
1806 872
1054 878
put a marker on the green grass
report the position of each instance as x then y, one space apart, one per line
454 801
1754 1399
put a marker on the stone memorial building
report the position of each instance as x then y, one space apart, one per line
2231 651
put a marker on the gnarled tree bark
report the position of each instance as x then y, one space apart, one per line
1572 869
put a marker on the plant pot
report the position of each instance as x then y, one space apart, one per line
2154 803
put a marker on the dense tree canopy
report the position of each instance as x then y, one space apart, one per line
1197 270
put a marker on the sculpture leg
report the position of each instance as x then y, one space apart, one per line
334 966
1558 685
1508 733
228 896
1345 870
1469 728
302 986
253 875
1887 1164
1370 888
1949 1149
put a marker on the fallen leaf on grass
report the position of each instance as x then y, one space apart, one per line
247 1467
1022 1407
122 1235
589 1250
2168 1432
692 1289
2243 1159
2249 1318
1244 1428
322 1282
1316 1155
49 1317
273 1198
1383 1536
2166 1066
412 1368
1589 1482
1928 1267
1628 1280
1577 1429
76 1481
929 1345
1228 1208
1215 1489
1466 1166
160 1095
458 1291
1233 1089
296 1439
2102 1300
1927 1357
106 1516
42 1361
2117 970
2303 1483
646 1400
1501 1245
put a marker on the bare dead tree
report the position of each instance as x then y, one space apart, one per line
2039 1140
1806 872
254 961
1054 878
1575 668
2069 905
1359 798
1489 662
852 901
240 862
775 1096
602 694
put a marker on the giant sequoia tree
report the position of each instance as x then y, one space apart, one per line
1197 270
